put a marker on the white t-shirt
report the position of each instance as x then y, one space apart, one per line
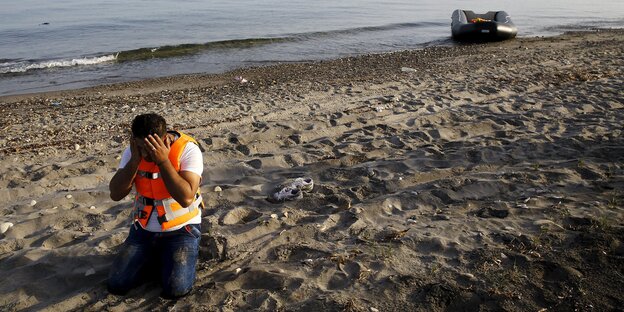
190 160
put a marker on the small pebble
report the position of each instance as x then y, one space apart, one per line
285 214
238 270
468 276
5 227
68 196
218 189
33 202
92 207
77 147
274 216
90 271
374 309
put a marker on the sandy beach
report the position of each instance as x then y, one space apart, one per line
471 178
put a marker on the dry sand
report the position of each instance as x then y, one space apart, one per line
485 177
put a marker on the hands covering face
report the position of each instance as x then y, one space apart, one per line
157 148
152 148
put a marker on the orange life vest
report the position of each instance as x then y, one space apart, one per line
152 192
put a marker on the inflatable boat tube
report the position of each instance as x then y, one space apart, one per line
491 26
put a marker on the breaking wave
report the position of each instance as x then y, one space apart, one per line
24 66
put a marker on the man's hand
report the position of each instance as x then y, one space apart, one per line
158 149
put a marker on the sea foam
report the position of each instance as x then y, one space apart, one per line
20 67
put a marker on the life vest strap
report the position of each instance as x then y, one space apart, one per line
149 175
139 206
146 201
167 203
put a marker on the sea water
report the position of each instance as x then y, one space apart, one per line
63 44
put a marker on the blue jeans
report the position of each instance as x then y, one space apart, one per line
171 255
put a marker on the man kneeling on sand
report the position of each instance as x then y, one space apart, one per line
165 168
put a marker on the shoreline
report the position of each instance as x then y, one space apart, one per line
480 177
181 81
154 81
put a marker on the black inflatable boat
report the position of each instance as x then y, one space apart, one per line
491 26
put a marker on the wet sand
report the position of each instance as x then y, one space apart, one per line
478 177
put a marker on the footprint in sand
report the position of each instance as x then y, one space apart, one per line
489 212
233 139
259 125
294 160
298 253
554 272
295 138
240 215
43 172
243 149
338 280
260 279
255 163
57 239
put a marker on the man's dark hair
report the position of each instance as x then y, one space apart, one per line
146 124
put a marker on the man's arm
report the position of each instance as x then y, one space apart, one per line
182 186
121 183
